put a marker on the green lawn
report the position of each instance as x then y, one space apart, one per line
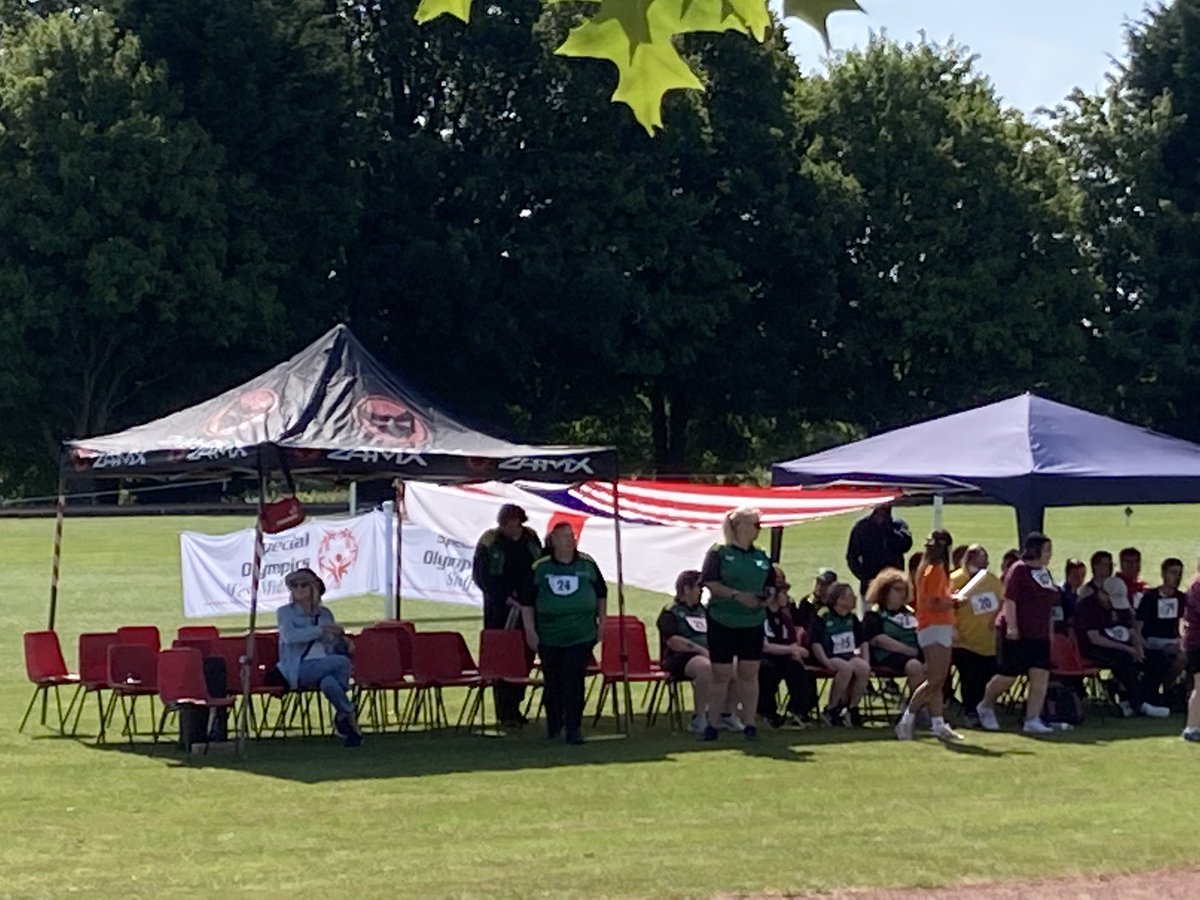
653 814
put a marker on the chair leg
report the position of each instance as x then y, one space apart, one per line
162 723
600 703
32 700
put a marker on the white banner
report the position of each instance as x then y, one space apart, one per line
353 556
653 555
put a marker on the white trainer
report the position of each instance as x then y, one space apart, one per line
1154 712
698 724
730 722
904 730
1037 726
987 718
943 732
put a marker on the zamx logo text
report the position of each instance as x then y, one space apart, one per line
566 465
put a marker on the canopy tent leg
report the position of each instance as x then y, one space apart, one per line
60 512
939 509
247 660
627 719
1029 519
396 588
776 543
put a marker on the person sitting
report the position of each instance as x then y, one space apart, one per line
314 650
683 634
1010 559
839 646
979 593
783 660
804 613
891 628
1130 562
1102 570
1068 596
1158 618
1107 637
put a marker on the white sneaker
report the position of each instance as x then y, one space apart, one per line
1037 726
1191 735
1126 709
943 732
1154 712
987 718
1062 726
904 732
730 722
698 724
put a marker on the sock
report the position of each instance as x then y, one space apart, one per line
908 718
938 722
1192 729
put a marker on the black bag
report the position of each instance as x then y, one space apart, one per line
1064 703
199 724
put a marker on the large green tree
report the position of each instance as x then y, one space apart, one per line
116 262
962 279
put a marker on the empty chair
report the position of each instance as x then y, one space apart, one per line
46 669
202 632
437 663
502 660
181 683
638 668
146 635
379 667
93 674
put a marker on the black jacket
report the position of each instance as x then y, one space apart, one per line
875 546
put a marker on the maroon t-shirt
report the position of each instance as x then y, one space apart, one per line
1034 593
1191 616
1092 615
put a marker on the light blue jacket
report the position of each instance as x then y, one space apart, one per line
296 632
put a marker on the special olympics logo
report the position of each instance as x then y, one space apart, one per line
248 409
388 421
337 555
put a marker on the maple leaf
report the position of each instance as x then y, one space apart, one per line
817 12
637 37
428 10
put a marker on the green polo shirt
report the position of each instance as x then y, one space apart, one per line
566 600
743 570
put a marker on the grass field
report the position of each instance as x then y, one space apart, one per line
656 814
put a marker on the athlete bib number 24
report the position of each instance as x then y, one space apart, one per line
563 585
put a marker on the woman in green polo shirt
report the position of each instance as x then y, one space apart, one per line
739 577
561 607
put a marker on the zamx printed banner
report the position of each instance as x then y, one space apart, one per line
353 556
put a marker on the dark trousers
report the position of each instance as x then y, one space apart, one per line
508 697
771 672
974 673
564 670
1125 669
1156 672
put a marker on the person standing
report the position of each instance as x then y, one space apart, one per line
1159 615
740 578
1191 649
974 653
1024 623
878 541
936 614
562 607
503 559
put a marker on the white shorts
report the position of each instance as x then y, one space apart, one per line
936 634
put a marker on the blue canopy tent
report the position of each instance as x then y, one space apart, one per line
1028 452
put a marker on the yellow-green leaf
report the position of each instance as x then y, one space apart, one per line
817 12
428 10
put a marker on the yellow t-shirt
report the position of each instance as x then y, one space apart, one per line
976 616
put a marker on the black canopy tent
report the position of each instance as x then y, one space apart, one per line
332 411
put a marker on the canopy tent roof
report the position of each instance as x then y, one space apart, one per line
332 409
1026 451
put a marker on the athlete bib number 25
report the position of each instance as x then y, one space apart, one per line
843 643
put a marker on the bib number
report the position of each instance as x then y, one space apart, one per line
1056 614
1168 607
563 585
1118 633
985 604
1044 578
843 643
698 624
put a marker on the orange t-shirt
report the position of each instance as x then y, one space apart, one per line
934 582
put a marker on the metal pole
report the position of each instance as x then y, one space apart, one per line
59 514
354 498
247 660
939 503
627 724
399 486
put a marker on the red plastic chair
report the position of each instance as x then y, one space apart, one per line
202 632
146 635
181 682
93 673
204 645
438 662
379 667
132 673
640 669
46 669
396 623
1068 661
502 658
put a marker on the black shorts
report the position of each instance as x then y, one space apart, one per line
1018 657
1193 661
724 643
676 665
893 662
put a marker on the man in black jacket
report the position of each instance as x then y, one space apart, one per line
877 542
503 563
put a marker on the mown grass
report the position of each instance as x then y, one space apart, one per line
445 815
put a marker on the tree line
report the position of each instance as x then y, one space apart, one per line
191 191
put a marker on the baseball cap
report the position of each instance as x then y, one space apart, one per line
826 576
510 511
1118 593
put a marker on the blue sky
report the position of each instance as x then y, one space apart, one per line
1035 51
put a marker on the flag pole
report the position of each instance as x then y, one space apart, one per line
247 660
60 513
627 719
